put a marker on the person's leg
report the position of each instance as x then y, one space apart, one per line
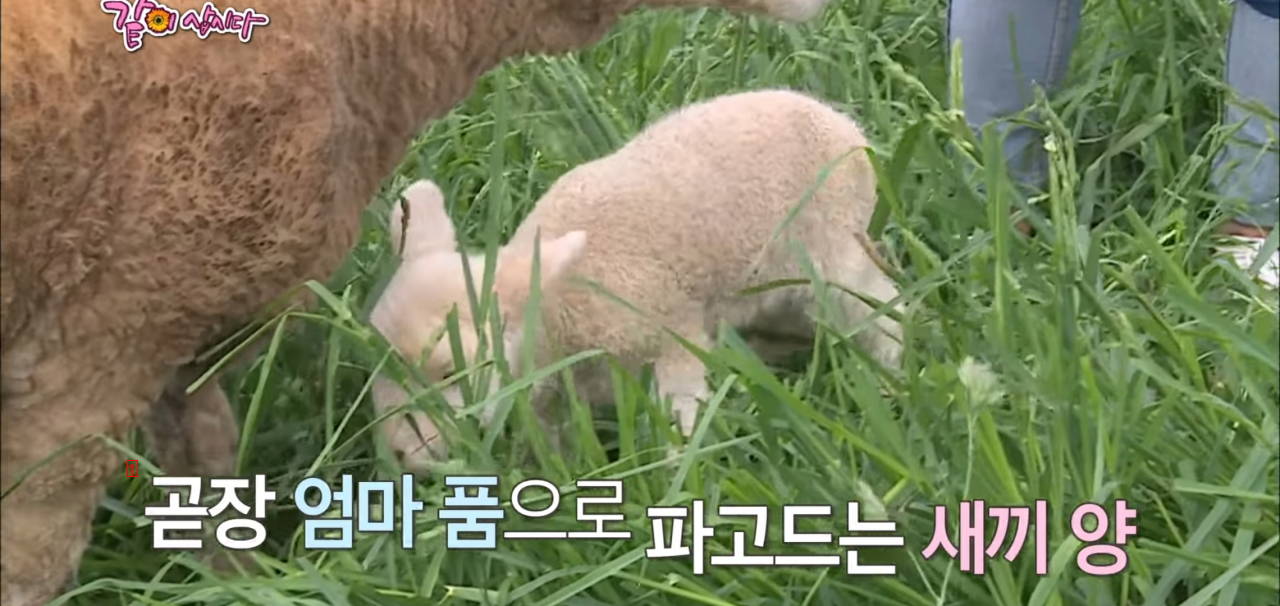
1008 48
1248 168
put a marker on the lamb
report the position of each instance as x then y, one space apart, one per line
152 201
677 223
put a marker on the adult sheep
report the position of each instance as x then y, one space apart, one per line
151 201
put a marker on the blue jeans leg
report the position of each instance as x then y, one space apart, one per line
1001 70
1248 169
1268 8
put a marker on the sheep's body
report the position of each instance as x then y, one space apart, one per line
677 223
152 201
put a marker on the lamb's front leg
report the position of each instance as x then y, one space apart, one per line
857 271
682 377
411 435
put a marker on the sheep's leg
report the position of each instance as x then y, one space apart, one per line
46 528
53 469
196 434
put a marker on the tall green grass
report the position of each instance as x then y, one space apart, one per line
1110 357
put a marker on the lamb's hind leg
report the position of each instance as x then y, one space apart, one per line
52 469
856 271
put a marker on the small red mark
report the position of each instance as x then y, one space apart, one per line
131 468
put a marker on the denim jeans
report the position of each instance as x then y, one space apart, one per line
997 87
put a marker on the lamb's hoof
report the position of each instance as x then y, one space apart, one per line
675 454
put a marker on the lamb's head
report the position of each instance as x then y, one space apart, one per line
431 286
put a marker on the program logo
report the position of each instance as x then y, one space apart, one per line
140 18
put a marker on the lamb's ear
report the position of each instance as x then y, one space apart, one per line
427 224
514 273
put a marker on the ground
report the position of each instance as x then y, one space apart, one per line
1108 357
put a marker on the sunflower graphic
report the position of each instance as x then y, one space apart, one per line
158 20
